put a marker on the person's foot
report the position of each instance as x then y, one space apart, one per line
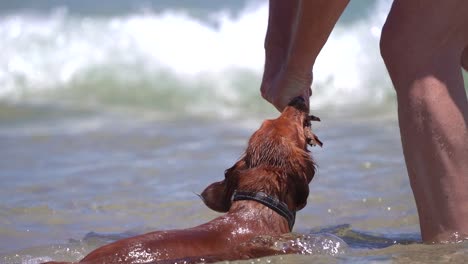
280 87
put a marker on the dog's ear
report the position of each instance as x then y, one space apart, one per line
301 183
301 194
217 196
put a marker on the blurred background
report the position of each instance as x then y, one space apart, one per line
113 113
194 57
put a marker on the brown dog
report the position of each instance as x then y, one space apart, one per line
260 194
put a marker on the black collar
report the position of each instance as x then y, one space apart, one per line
270 202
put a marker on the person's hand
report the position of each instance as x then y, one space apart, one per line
279 90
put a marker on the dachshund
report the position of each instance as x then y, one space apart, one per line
260 195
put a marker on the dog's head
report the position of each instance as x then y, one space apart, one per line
275 162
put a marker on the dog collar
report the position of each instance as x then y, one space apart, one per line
270 202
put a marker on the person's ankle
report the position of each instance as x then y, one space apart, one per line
446 236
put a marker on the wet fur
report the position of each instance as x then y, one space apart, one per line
275 162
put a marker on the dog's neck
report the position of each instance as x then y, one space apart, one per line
269 201
252 215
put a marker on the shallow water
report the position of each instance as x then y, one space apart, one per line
110 124
74 180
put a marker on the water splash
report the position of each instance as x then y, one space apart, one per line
304 244
360 239
321 244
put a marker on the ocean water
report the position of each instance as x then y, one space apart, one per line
113 114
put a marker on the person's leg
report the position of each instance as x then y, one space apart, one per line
422 43
464 59
312 24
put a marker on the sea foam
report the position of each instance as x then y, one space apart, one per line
161 59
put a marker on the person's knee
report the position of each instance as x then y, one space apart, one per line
386 47
409 55
409 46
392 46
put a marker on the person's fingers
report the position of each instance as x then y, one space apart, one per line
307 97
282 88
283 100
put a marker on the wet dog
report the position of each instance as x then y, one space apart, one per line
260 195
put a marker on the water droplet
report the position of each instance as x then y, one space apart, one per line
367 165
